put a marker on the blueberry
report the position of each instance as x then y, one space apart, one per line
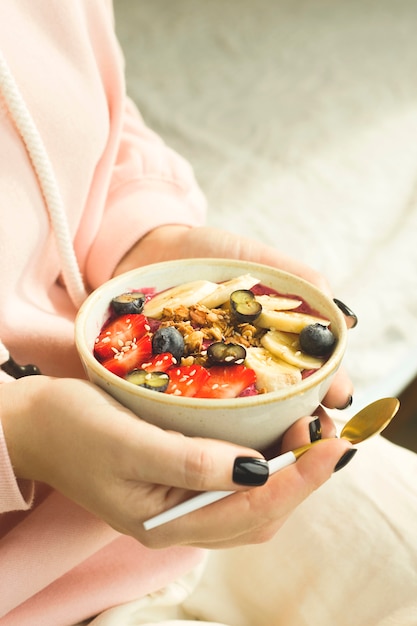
225 353
168 339
317 340
157 381
128 303
244 305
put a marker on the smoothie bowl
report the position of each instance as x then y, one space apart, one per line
213 347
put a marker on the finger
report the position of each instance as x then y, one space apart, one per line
138 452
198 464
288 488
308 429
251 516
340 393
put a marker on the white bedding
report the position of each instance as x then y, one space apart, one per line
300 119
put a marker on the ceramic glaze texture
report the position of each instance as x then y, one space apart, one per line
255 421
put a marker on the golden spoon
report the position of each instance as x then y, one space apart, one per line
369 421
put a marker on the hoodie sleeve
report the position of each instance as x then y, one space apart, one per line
14 495
151 186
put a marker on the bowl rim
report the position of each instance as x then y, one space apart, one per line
327 369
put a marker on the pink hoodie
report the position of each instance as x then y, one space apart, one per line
111 180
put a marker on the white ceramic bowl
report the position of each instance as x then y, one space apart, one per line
254 421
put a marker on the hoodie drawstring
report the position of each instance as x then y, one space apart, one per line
42 166
47 181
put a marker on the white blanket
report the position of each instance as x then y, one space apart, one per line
300 119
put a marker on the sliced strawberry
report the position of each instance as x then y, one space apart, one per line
117 334
130 356
186 380
159 362
227 381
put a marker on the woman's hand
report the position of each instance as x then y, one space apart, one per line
177 242
74 437
180 242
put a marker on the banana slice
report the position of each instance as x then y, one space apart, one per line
277 303
288 321
286 346
186 295
223 291
271 373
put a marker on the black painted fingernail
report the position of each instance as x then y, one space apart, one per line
250 471
347 311
345 458
315 429
19 371
348 403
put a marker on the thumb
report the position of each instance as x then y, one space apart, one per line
200 464
315 467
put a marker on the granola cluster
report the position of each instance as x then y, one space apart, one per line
200 326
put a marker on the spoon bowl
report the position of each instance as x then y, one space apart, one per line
369 421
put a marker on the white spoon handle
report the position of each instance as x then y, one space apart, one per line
208 497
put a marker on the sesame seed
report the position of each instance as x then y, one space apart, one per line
120 342
215 386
